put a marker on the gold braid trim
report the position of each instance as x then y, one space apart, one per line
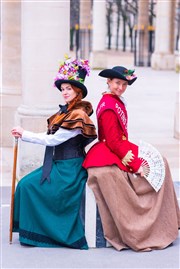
128 158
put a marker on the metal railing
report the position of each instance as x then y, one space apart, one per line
142 54
81 41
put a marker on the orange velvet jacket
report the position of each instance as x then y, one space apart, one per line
113 146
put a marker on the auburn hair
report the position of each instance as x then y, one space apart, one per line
77 98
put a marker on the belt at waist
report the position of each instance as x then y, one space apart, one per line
68 154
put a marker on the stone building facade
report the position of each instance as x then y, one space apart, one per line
35 36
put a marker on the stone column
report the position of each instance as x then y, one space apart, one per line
163 57
98 59
177 104
11 67
176 117
85 28
45 40
142 39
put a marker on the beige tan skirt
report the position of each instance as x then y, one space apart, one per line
133 215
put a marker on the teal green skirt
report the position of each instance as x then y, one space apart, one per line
47 215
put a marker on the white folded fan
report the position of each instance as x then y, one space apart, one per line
153 164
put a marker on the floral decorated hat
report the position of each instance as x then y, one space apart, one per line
73 72
119 72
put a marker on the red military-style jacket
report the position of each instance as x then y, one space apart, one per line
113 146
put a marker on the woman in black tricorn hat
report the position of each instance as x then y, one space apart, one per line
136 211
47 201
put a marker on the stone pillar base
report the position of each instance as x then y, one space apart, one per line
9 107
98 60
31 155
161 61
177 62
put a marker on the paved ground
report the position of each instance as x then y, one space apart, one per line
151 105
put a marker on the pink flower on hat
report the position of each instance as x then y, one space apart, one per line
129 74
68 69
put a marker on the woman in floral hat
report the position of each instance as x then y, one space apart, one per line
47 201
137 211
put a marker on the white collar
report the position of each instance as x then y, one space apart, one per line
123 100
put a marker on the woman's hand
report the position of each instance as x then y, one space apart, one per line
17 131
140 171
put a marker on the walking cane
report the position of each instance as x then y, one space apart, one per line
13 189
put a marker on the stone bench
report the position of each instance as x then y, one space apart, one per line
91 220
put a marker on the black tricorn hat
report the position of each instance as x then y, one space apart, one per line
119 72
73 72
